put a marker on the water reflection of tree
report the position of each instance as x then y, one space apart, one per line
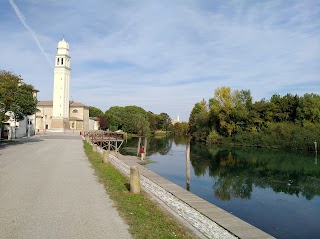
155 145
159 145
236 173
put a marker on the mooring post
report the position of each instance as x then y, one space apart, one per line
105 158
188 164
138 148
134 180
94 147
145 147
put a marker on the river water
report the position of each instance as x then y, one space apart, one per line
276 191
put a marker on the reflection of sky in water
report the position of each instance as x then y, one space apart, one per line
280 214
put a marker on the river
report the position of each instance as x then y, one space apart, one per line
276 191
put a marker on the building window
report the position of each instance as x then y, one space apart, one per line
61 61
75 111
72 125
57 61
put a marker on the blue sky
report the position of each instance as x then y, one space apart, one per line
164 55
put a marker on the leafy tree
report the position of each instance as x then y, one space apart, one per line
132 119
309 108
103 122
163 121
230 109
94 112
152 121
140 125
199 121
15 97
181 128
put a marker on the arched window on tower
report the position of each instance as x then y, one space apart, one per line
61 61
57 61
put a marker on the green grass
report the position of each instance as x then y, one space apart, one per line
144 217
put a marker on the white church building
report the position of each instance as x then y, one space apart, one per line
61 114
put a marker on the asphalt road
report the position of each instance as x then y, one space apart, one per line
48 190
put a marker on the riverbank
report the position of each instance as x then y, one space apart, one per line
144 217
210 220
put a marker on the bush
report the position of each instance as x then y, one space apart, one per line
213 138
282 135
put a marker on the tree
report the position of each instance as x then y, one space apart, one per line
140 125
152 121
164 121
199 121
103 122
132 119
94 112
230 108
15 97
309 108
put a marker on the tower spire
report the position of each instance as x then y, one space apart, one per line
61 91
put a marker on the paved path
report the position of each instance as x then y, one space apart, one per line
48 190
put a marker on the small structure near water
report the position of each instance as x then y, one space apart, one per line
107 140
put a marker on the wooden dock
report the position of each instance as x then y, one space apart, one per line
107 140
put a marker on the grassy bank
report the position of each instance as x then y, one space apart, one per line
144 217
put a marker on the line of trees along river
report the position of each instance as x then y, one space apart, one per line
277 191
285 122
288 122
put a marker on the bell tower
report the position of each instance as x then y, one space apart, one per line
61 88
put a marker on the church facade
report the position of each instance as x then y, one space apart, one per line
61 114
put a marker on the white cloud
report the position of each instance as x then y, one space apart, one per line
166 56
33 34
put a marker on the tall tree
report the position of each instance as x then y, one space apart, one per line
94 112
199 121
15 97
230 109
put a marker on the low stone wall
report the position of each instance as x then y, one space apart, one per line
206 226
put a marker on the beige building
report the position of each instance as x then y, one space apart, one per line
78 117
61 114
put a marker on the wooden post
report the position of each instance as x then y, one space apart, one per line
105 158
134 180
94 148
145 146
188 164
316 157
138 148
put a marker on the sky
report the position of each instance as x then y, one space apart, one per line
167 55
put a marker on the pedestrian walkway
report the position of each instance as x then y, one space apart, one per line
48 190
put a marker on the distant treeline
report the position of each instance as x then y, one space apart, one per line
288 122
131 119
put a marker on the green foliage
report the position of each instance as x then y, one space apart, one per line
163 121
281 135
131 119
214 138
94 112
136 120
279 122
180 128
15 96
199 121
